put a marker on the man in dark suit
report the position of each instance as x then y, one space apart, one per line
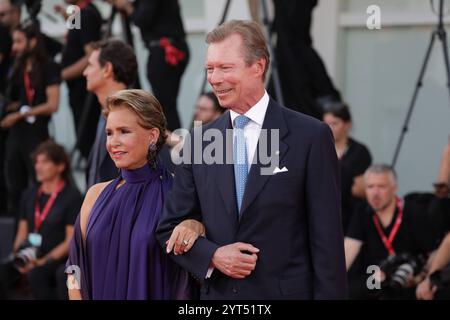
268 236
112 66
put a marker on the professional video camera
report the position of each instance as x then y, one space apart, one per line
400 268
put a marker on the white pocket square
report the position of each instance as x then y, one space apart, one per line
278 170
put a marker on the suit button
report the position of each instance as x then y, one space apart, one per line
235 290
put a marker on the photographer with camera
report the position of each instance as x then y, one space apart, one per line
48 212
75 57
388 234
436 285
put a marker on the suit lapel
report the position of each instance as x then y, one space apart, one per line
224 173
273 120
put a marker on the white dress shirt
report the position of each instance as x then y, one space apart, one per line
252 131
253 128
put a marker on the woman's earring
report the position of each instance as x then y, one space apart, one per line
152 155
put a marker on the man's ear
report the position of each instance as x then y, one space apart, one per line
259 67
61 167
108 70
33 43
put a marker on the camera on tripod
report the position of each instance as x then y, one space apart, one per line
399 269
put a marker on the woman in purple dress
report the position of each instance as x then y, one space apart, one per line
114 253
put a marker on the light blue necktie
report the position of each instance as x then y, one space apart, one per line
240 158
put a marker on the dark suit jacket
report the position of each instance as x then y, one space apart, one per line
106 169
293 217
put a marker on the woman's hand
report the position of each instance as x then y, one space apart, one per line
184 236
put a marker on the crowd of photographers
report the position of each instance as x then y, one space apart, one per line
395 248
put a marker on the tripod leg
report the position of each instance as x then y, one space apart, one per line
275 74
414 97
443 38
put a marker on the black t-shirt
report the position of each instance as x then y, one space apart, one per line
90 23
415 235
353 163
5 51
63 213
158 18
50 75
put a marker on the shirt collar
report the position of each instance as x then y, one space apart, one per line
255 113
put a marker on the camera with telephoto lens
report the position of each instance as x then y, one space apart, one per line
399 269
25 254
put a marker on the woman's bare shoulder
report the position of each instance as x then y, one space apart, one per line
89 200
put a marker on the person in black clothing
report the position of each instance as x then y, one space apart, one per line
35 97
386 226
5 50
74 60
440 215
163 33
442 191
9 18
354 158
48 212
304 80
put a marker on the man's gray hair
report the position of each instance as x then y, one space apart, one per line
381 168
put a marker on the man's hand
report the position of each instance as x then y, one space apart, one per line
10 120
425 291
61 11
379 276
30 265
233 262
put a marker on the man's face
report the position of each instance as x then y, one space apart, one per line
46 169
9 15
235 84
5 13
380 190
205 111
94 72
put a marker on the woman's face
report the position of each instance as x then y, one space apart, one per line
339 127
127 141
20 43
